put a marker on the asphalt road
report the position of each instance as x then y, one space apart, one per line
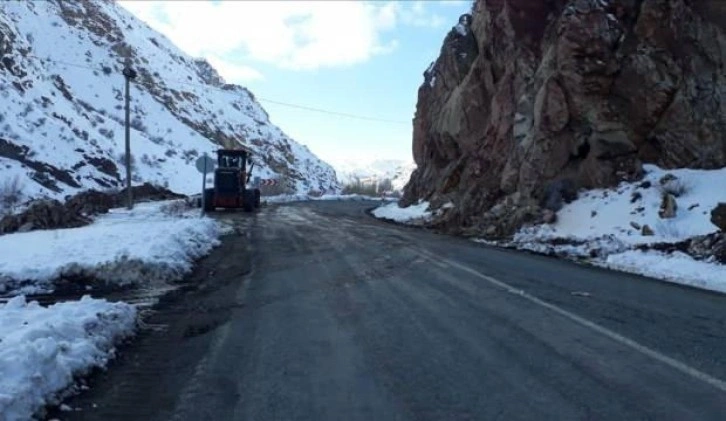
319 312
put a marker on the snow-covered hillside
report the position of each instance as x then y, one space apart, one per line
396 170
61 113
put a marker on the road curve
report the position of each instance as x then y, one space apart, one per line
315 311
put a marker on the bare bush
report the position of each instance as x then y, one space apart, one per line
675 186
157 139
149 161
358 187
190 155
385 185
11 193
106 133
121 159
139 125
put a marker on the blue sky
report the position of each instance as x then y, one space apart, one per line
362 58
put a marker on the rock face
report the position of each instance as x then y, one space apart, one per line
535 99
718 216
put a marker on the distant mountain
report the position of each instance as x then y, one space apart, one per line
61 114
402 175
396 170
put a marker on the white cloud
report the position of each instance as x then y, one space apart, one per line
293 35
417 15
455 3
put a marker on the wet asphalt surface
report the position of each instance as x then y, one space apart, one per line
316 311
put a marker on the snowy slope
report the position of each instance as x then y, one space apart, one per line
61 112
396 170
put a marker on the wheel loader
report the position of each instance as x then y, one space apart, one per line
230 182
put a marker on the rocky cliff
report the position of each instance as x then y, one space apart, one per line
61 106
530 101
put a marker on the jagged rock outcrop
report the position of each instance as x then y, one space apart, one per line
532 96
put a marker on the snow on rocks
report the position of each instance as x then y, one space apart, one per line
42 349
412 215
122 247
627 227
601 212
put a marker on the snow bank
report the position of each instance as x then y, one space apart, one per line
606 225
43 348
121 247
603 212
676 267
412 215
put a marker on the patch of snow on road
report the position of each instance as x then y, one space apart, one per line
607 225
43 348
413 215
122 247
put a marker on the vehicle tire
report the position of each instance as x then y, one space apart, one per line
208 200
248 201
257 198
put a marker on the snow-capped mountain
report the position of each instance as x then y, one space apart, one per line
396 170
62 115
402 175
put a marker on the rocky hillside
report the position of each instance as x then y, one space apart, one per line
530 101
61 114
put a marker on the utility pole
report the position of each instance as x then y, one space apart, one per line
129 74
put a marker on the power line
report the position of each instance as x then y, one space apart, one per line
271 101
303 107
